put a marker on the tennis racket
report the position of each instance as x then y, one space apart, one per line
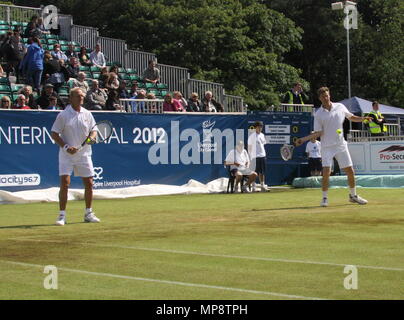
287 151
104 130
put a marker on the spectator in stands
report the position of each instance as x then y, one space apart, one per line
112 103
41 28
177 95
123 93
70 53
112 82
43 99
21 103
2 73
134 89
97 57
84 57
171 104
73 68
104 75
96 98
114 69
53 72
32 28
5 102
58 54
53 104
295 95
14 51
32 64
194 104
139 106
152 106
151 73
30 100
210 104
81 83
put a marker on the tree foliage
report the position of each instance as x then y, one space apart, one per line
257 48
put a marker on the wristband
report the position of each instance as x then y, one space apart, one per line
66 146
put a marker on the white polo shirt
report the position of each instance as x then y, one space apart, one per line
240 157
256 145
314 149
74 127
329 122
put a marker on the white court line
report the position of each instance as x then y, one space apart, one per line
179 283
219 255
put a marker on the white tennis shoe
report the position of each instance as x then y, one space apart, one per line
90 217
324 202
357 199
61 221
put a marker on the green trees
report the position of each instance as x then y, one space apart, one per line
258 48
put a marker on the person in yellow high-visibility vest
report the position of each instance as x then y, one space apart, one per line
376 125
295 96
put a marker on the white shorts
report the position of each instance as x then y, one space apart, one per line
340 154
245 171
82 166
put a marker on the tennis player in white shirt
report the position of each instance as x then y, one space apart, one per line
328 124
70 129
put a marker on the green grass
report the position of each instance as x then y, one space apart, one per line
208 247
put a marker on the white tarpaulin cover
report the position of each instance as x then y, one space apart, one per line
51 194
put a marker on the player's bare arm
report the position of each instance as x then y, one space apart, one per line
302 140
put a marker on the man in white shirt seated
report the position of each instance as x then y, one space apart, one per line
97 57
239 162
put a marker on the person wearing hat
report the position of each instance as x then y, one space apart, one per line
256 149
47 92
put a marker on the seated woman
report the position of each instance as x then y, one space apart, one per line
84 57
5 102
170 104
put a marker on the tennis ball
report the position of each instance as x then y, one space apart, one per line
88 140
339 131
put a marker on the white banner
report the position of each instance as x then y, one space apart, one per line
277 139
277 129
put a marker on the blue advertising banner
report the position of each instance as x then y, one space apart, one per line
144 149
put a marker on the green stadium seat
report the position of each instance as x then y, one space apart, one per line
76 49
4 80
63 91
51 36
150 85
88 74
4 27
154 91
131 71
141 85
64 48
3 32
162 86
5 88
15 96
96 75
24 24
121 70
52 41
16 87
124 76
3 22
95 69
134 77
75 43
70 83
84 68
43 41
63 42
16 23
24 40
163 92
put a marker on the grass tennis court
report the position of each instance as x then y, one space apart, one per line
277 245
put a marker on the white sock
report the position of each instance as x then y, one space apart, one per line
352 191
325 194
89 210
62 212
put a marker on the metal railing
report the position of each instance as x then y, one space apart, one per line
233 103
138 60
291 108
175 77
393 133
200 87
113 49
21 14
86 36
141 105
